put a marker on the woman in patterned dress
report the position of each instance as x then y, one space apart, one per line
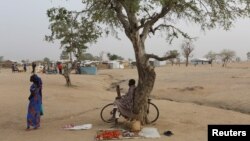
35 100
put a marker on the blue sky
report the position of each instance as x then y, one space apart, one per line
24 24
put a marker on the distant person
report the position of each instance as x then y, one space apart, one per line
25 67
78 68
33 67
13 67
60 67
35 101
44 68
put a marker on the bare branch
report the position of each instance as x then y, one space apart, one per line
154 19
203 5
173 28
171 56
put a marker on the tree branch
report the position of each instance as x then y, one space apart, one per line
122 18
146 27
160 58
132 19
203 5
174 29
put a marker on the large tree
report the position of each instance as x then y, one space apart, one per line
73 30
139 18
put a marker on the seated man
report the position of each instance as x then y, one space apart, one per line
124 104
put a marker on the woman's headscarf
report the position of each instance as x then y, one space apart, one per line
35 79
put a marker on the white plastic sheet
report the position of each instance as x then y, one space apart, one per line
149 132
80 127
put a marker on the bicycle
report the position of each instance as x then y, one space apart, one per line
152 112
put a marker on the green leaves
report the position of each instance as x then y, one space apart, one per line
73 30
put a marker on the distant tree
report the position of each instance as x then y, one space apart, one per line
114 57
211 56
187 48
88 56
178 61
173 53
237 59
46 60
248 56
226 55
1 59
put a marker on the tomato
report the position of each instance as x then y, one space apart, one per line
109 134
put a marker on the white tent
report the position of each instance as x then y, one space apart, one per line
115 65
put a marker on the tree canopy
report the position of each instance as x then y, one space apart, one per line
187 48
226 56
173 53
211 56
73 30
149 16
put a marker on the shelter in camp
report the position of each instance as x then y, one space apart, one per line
156 63
88 70
7 64
115 65
201 61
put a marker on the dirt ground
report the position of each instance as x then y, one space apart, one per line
189 98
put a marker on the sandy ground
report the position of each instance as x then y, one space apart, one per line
189 98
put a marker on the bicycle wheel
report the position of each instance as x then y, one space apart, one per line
153 112
107 112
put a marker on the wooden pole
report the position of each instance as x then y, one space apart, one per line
118 91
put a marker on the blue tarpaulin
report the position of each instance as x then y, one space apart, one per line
88 70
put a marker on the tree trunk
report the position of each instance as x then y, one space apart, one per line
186 61
66 75
146 80
145 86
68 81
